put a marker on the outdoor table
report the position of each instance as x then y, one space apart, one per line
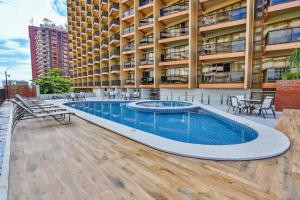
250 103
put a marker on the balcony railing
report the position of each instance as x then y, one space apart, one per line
105 83
115 68
96 33
129 64
147 81
183 79
223 47
128 47
104 28
146 21
273 74
147 61
98 83
283 36
96 21
104 70
104 14
104 56
174 56
146 40
104 42
115 53
115 36
115 82
97 46
223 77
96 7
174 32
97 58
129 29
175 8
129 82
226 16
84 73
276 2
114 6
90 72
114 22
97 71
103 1
128 12
90 83
145 2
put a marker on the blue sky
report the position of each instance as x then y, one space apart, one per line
14 40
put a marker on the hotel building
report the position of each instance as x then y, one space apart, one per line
49 49
208 44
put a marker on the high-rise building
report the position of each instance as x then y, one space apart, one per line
49 49
235 44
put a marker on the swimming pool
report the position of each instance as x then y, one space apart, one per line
201 127
207 133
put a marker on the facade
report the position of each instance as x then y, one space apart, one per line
210 44
49 49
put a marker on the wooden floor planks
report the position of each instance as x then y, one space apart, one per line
83 161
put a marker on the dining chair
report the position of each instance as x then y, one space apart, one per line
234 103
265 106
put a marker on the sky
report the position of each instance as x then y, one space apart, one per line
15 16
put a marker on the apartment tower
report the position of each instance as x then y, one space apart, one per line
49 49
208 44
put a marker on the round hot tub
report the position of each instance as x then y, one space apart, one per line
163 106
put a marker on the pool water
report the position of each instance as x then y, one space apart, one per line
201 127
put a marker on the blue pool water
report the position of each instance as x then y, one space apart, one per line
201 127
163 104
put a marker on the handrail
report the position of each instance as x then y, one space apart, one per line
288 35
223 47
173 56
174 32
128 12
177 7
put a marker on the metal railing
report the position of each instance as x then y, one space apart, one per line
115 82
104 14
232 15
104 28
115 68
104 42
146 21
97 58
146 40
223 47
273 74
104 56
283 36
97 83
128 12
174 32
104 70
103 1
129 64
97 71
173 56
147 61
145 2
114 5
129 29
114 22
147 80
223 77
128 47
90 72
114 53
175 8
181 79
105 83
129 81
115 36
276 2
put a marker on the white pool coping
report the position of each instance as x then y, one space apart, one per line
269 143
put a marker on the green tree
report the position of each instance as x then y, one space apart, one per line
53 83
294 66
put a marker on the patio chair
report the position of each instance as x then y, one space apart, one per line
136 95
265 106
123 95
235 105
81 95
33 104
21 112
240 99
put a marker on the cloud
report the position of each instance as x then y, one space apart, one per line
60 6
14 38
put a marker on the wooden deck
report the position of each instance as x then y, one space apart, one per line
83 161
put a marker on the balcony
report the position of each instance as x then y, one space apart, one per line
128 14
223 77
283 39
145 2
222 20
278 7
104 70
147 61
175 56
104 29
96 8
104 57
115 38
174 34
114 24
174 11
104 43
115 82
114 54
115 68
104 83
114 9
97 71
129 81
271 75
104 16
232 49
103 1
128 30
97 59
128 47
96 46
146 23
97 83
96 21
84 73
147 81
148 40
129 65
182 79
90 72
96 34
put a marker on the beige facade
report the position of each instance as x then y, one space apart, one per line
181 43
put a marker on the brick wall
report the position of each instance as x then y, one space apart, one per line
287 95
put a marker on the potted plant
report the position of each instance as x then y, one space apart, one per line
294 66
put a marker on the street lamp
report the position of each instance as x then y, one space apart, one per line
6 76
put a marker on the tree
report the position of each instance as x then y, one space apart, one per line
294 66
53 83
